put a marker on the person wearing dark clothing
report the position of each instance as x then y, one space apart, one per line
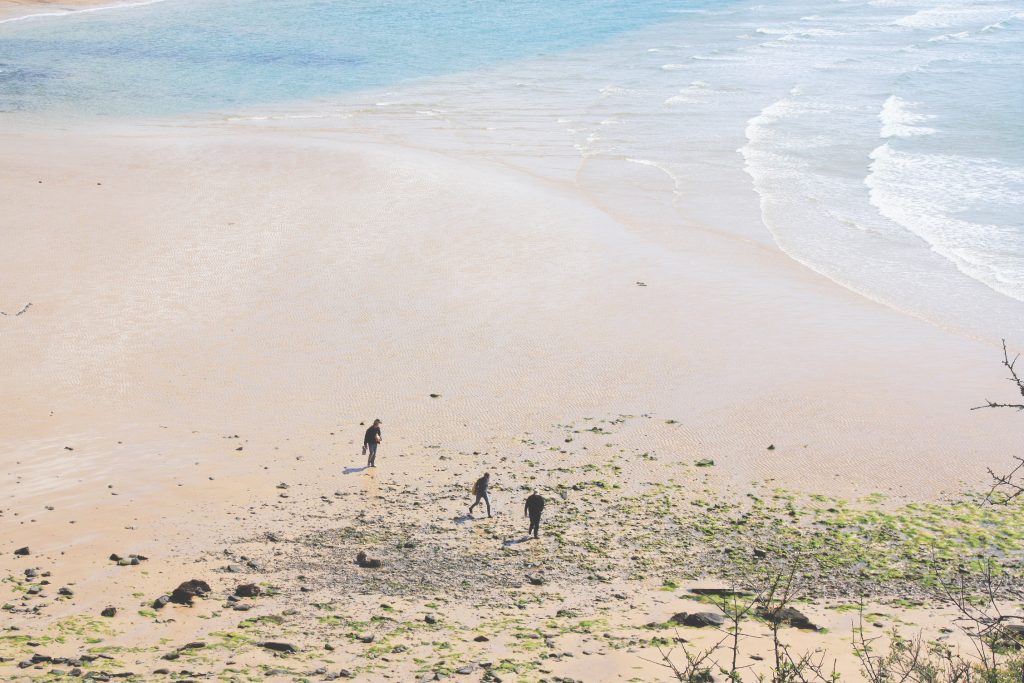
534 506
370 441
480 491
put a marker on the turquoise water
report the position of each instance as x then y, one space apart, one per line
199 55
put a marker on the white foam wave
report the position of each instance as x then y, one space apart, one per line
947 16
899 120
1003 24
927 193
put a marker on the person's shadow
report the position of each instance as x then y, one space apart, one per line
462 519
353 470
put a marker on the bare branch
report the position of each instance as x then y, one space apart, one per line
1014 377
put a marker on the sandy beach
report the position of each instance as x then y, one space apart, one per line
216 312
201 314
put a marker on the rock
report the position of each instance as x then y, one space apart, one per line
248 590
698 619
21 551
468 669
368 638
276 646
430 619
366 563
187 591
719 592
399 649
161 601
435 396
109 612
705 462
535 579
345 673
273 537
194 645
31 573
481 639
64 590
789 615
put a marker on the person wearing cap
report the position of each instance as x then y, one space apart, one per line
370 441
480 491
534 506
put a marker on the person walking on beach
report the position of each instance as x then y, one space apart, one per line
480 491
370 441
534 506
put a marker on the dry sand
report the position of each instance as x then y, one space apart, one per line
216 310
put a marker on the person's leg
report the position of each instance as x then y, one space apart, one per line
487 499
475 503
535 525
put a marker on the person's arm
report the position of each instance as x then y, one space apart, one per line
526 508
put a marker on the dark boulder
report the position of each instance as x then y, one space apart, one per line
248 590
286 648
790 616
189 590
367 563
698 619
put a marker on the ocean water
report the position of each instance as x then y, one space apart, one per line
877 142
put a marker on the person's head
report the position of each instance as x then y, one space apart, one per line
535 492
376 422
487 475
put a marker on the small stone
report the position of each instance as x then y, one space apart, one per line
21 551
430 619
481 639
109 612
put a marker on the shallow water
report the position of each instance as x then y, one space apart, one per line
878 142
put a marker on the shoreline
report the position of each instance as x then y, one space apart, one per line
22 10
